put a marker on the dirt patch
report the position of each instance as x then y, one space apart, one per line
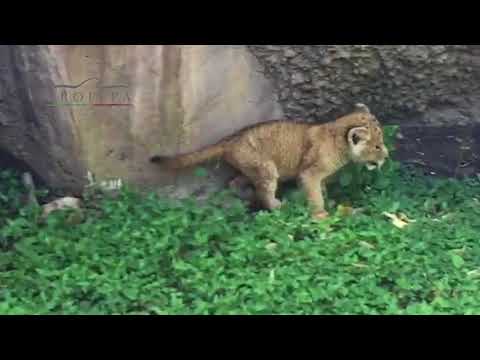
444 151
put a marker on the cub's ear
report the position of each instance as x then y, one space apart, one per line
362 108
358 135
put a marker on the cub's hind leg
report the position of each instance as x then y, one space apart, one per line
263 174
266 185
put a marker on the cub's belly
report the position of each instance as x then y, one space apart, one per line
287 170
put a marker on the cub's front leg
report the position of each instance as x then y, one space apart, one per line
312 181
324 189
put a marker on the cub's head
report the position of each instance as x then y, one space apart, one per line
365 139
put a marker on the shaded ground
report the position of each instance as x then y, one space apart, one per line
452 151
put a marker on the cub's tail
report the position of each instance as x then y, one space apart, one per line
191 159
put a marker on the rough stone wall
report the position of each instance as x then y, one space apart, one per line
69 109
181 98
432 84
34 136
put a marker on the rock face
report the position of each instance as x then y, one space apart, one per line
431 84
164 100
34 136
109 108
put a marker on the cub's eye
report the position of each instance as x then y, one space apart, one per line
378 147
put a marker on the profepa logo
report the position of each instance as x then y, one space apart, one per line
103 95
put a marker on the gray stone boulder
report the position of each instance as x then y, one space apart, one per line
34 136
401 83
69 109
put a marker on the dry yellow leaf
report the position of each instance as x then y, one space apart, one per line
396 220
405 218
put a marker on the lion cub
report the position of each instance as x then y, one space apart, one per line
281 150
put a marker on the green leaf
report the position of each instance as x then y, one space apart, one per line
457 261
403 283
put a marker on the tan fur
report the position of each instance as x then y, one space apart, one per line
277 151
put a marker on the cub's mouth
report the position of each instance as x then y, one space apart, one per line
372 165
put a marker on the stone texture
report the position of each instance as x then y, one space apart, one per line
418 84
182 98
35 137
162 100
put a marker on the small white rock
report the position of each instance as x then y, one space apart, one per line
60 204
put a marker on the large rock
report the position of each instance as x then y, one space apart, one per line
180 98
431 84
112 107
34 136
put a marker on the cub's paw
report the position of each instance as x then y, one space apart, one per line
275 204
320 215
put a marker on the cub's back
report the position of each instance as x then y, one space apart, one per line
280 141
